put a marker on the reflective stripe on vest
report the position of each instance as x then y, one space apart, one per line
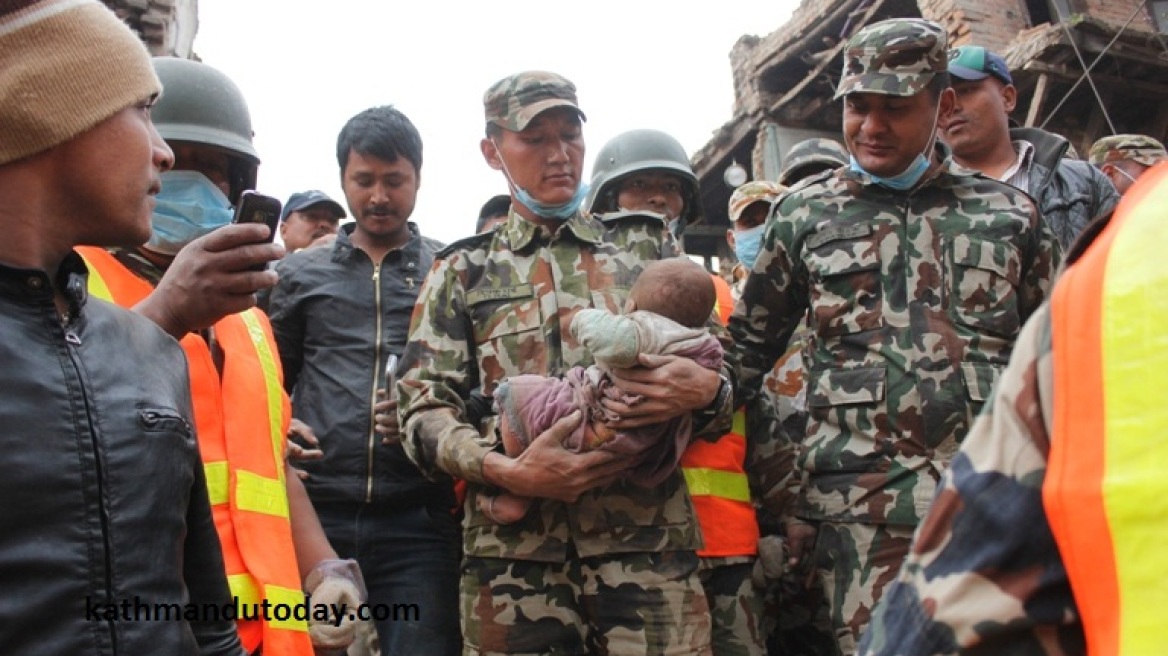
1105 492
245 477
720 491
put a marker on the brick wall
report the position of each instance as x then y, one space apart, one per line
1118 11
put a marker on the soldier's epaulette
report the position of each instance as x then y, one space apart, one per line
472 242
625 215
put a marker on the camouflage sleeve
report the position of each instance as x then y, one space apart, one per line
983 573
770 459
773 302
1044 256
439 371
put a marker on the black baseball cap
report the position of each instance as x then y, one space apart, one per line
303 200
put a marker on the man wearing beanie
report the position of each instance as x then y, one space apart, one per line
598 565
108 545
917 275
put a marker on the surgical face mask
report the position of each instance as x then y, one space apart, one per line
747 244
908 178
558 212
188 207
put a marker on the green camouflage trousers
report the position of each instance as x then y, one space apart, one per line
735 606
856 562
642 603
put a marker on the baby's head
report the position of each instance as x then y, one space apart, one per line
677 288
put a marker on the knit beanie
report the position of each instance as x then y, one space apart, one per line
65 66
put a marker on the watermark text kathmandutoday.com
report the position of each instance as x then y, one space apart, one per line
138 610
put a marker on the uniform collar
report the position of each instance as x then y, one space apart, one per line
520 232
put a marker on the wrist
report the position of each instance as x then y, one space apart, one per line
723 391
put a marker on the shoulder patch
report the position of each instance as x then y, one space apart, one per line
473 242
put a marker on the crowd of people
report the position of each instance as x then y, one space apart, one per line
915 418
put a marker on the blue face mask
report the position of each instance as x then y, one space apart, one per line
559 212
188 207
747 244
902 181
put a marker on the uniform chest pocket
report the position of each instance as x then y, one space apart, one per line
984 288
845 282
509 337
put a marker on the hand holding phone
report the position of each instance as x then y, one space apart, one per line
385 410
255 207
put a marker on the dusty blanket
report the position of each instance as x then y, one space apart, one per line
533 403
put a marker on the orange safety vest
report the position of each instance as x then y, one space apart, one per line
715 475
724 303
1105 491
718 486
245 474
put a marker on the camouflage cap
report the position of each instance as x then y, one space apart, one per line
511 103
895 57
756 191
821 152
1135 147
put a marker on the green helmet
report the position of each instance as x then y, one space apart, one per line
201 105
636 151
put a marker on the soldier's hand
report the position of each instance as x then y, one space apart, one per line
210 279
546 469
801 545
385 419
669 386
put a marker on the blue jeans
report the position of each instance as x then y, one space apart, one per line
410 560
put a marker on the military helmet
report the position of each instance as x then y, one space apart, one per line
201 105
641 150
818 153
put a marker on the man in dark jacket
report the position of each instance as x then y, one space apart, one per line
1069 192
337 314
107 543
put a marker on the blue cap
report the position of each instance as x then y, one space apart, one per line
303 200
976 63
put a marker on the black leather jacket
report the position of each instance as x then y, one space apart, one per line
104 500
1070 192
336 318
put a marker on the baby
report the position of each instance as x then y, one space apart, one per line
666 313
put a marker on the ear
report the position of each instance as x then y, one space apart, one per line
491 154
730 238
1009 97
283 229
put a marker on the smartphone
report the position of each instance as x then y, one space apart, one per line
255 207
390 377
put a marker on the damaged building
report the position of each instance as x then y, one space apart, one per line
166 26
1083 68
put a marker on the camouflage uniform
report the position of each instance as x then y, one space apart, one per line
811 154
615 571
1134 147
915 300
986 551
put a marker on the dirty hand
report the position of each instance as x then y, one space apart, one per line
669 386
